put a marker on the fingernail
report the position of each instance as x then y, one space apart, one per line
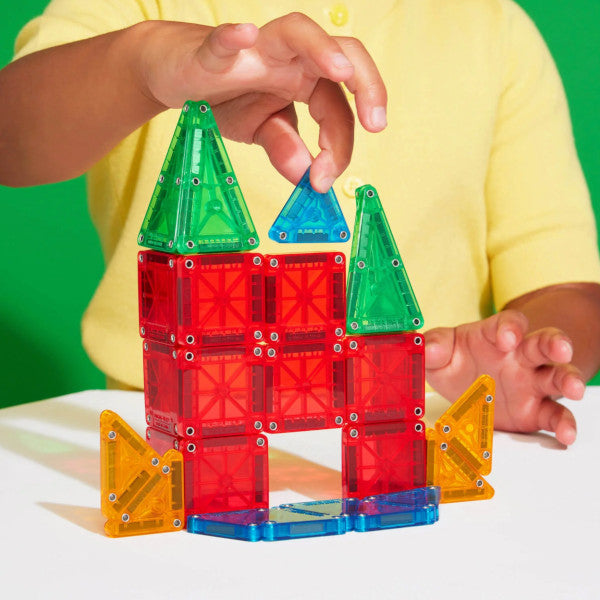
378 117
579 388
431 348
567 348
325 183
511 338
569 436
340 61
243 25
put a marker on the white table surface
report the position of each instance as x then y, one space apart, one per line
537 538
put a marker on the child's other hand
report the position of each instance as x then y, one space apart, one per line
531 370
251 77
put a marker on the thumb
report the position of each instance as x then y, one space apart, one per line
279 136
439 347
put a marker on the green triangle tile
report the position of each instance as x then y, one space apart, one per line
197 205
380 298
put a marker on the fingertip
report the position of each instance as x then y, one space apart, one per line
250 27
239 36
321 183
284 147
506 339
566 351
378 118
510 327
294 166
567 435
341 63
433 355
574 388
322 176
438 347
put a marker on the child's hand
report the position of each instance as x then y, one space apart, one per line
251 77
531 369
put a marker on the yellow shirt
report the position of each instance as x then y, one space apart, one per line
477 170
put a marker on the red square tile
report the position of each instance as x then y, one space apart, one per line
383 458
205 299
385 377
305 296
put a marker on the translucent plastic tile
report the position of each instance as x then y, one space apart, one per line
270 525
469 422
141 491
209 299
447 468
197 205
239 525
380 297
459 449
402 509
285 524
310 217
408 498
385 377
305 296
227 473
305 387
322 517
204 392
343 508
382 458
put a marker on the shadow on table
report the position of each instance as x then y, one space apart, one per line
292 472
65 457
85 517
57 412
541 438
287 472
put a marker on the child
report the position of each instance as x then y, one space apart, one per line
476 168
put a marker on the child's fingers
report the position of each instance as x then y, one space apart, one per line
366 84
439 346
278 135
340 59
555 381
557 418
544 346
505 330
330 109
296 36
221 47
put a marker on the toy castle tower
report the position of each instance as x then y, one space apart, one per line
237 344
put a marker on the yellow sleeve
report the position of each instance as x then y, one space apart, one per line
65 21
541 228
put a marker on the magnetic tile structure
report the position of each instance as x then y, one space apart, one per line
459 449
201 300
237 344
380 295
305 297
382 458
221 473
385 377
310 217
141 491
322 518
197 204
206 392
305 387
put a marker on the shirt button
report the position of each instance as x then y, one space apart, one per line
338 14
351 184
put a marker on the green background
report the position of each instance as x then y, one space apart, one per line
51 259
